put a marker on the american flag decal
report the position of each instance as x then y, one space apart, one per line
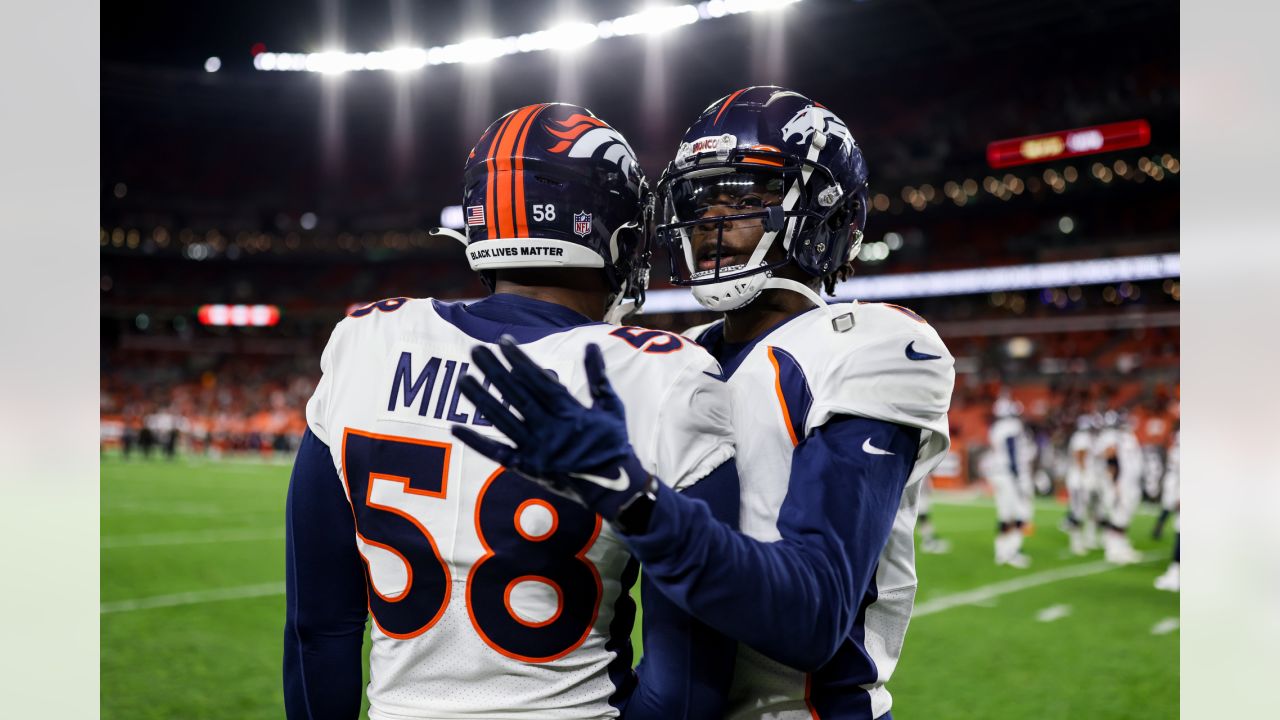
475 215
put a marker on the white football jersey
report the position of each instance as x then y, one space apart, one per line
491 597
1082 476
891 366
1012 449
1128 452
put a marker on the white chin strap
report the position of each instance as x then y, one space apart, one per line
619 308
730 294
736 294
446 232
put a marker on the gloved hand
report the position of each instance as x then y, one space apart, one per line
582 452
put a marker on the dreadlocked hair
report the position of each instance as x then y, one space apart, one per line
843 272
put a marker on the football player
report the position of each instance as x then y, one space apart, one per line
1082 486
929 541
1009 471
1171 501
839 412
492 597
1121 462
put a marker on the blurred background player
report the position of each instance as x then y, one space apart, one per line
1009 463
1120 464
1081 521
492 597
929 540
1171 500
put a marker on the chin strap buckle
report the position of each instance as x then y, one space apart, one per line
776 218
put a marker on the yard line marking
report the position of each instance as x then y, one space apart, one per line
193 598
1053 612
987 592
1165 626
191 538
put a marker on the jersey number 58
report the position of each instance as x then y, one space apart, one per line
392 481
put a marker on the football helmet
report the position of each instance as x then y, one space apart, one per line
763 161
1005 406
552 185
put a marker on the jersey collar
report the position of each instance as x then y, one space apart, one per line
732 355
525 319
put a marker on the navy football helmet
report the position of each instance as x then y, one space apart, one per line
771 161
552 185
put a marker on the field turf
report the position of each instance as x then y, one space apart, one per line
193 606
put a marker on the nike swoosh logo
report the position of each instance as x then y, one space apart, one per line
618 484
719 377
913 355
870 449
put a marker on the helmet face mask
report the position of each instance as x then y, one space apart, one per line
764 178
729 220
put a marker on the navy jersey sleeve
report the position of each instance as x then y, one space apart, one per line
326 600
687 665
794 600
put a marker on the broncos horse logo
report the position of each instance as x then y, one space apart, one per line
582 136
802 124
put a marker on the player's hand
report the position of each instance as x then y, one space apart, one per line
572 449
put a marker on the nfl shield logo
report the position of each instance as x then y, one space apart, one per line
582 224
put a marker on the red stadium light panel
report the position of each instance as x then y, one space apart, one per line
239 315
1068 143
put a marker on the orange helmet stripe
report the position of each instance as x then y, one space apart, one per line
506 150
489 196
522 210
727 102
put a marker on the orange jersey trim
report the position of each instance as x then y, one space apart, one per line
506 600
555 519
808 703
782 400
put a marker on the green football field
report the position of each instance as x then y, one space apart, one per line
193 607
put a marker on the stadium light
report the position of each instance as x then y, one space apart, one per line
564 36
651 21
238 315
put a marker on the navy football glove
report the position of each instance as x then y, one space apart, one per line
582 452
